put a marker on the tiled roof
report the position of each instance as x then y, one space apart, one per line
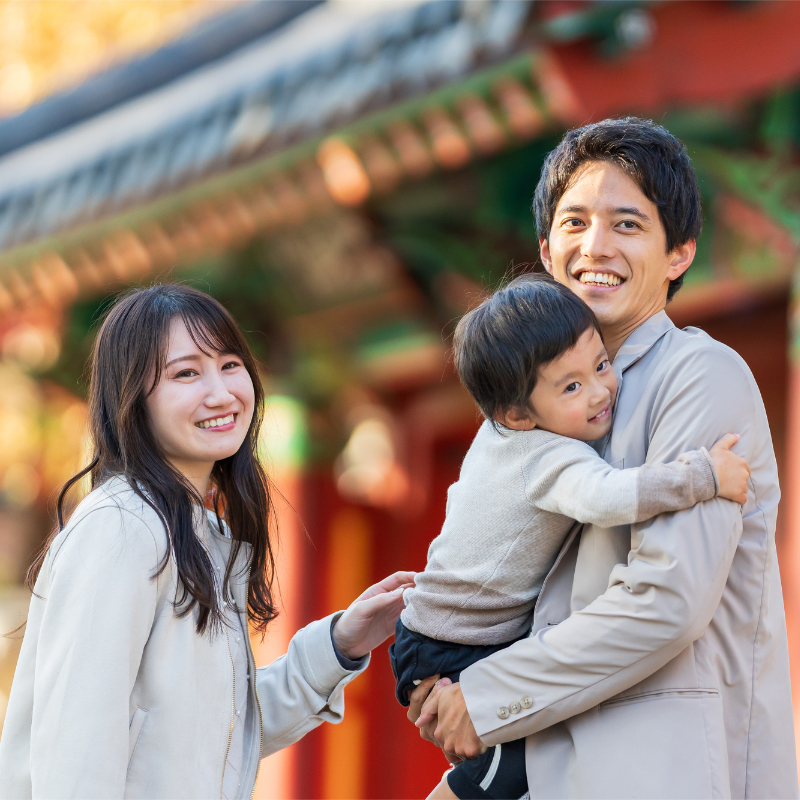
324 69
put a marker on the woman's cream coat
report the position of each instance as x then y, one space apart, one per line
115 696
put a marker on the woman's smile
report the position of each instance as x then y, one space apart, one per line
219 423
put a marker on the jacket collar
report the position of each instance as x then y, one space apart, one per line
641 340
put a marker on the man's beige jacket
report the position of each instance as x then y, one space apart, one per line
115 696
658 662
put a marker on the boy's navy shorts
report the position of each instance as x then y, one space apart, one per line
500 771
415 656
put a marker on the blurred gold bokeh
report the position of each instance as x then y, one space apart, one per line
50 45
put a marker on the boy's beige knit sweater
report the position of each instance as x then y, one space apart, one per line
519 494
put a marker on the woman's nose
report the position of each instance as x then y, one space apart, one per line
217 393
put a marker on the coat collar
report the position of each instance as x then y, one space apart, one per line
641 340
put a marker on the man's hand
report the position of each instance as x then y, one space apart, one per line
444 719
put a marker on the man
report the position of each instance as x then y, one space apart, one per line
658 662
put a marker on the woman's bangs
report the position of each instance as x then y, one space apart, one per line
211 332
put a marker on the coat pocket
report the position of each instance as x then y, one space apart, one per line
135 728
658 694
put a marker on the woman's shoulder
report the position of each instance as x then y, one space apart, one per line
113 516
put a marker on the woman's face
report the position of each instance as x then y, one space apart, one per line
202 407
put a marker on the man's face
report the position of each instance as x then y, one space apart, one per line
608 245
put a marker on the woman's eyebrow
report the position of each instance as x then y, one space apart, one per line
181 358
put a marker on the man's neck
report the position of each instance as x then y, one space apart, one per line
615 336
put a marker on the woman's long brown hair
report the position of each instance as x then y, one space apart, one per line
127 359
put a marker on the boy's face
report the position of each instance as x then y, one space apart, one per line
574 393
608 244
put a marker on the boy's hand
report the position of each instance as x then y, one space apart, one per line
733 472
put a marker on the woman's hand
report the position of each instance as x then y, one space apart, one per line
371 617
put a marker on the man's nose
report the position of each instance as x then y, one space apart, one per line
596 243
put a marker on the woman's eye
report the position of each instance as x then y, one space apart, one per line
231 365
573 387
186 373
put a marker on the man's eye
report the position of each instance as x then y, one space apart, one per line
628 225
573 223
573 387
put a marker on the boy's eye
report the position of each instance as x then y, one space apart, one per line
573 387
603 365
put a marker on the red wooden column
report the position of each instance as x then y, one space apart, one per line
790 555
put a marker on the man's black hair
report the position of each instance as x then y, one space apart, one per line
649 154
499 346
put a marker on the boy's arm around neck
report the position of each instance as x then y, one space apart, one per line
567 477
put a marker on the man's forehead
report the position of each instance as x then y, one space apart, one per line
605 187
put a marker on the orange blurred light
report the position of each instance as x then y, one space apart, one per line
449 145
345 176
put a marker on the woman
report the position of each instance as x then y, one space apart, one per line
136 677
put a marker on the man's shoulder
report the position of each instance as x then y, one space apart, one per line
693 352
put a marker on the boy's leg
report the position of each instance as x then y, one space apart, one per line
498 774
442 791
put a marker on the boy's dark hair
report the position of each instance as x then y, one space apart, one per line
649 154
499 346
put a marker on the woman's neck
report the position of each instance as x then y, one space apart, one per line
198 475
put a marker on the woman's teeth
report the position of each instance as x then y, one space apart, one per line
214 423
600 278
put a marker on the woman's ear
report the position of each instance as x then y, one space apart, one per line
516 419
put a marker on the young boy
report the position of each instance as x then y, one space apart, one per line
533 358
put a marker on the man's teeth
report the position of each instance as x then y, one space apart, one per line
604 278
213 423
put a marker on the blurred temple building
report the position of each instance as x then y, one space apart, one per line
348 178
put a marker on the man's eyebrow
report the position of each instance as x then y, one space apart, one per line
632 210
181 358
572 210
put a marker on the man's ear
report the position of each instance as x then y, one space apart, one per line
681 259
544 250
516 420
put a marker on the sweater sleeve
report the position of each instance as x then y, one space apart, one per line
304 688
569 478
99 605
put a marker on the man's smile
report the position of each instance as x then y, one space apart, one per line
600 278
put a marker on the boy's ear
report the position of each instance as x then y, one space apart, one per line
516 419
